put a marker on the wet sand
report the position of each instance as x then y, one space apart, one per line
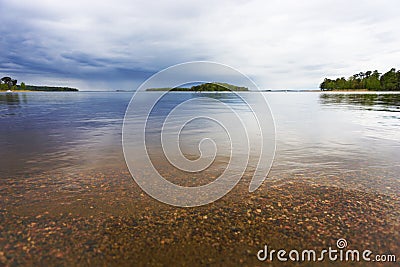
102 218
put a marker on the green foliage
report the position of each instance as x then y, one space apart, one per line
48 88
169 89
218 87
389 80
205 87
3 87
7 83
368 80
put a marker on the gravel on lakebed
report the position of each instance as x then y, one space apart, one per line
104 218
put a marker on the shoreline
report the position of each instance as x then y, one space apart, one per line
29 91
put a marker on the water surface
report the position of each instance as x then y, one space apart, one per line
349 140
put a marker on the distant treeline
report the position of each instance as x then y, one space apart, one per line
204 87
8 83
46 88
169 89
218 87
369 80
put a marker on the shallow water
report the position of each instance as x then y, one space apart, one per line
67 198
348 140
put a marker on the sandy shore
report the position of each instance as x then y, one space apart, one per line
103 218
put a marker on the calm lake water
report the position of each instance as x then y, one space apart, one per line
349 140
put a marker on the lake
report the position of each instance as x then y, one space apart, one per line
67 196
318 135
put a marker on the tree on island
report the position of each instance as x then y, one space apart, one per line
390 81
217 86
7 83
205 87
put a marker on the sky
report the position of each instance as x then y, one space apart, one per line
109 45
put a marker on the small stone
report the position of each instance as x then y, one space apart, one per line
3 258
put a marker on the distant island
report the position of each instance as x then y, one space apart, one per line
9 84
205 87
47 88
369 80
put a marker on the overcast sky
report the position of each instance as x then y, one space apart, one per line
98 45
